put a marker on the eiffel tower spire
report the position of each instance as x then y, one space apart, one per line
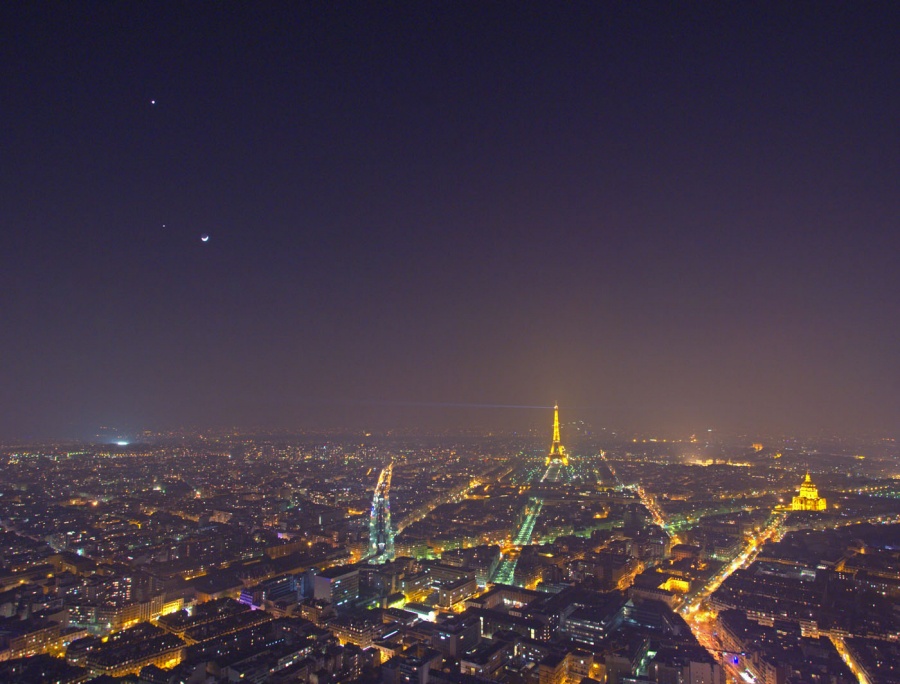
555 428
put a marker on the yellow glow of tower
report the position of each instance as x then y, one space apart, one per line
557 450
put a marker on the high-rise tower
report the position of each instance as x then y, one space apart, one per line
557 450
381 535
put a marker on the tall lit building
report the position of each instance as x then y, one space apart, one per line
557 450
808 498
381 535
338 585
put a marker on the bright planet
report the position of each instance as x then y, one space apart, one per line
204 237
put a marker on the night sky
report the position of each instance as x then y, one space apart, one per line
665 216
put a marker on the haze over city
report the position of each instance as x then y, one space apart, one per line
665 217
449 343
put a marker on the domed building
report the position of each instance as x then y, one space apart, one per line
808 499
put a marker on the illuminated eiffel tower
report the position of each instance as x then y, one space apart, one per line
557 450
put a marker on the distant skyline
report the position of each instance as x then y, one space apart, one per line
675 216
